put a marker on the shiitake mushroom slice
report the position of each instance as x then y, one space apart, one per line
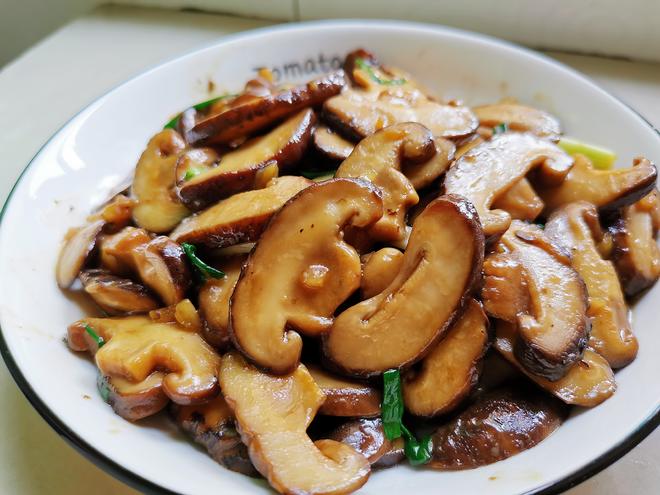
399 326
117 295
214 295
519 117
212 425
520 201
635 251
381 97
490 169
589 382
499 425
330 145
245 168
273 414
607 190
450 371
259 112
346 397
576 228
158 209
134 347
79 244
530 282
379 268
240 218
367 436
300 271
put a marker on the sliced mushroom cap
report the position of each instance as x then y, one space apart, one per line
116 295
242 169
520 201
212 426
331 145
78 246
451 370
368 438
636 254
257 113
490 169
576 228
589 382
383 97
519 118
118 212
300 271
214 297
499 425
158 209
273 413
135 347
422 175
240 218
346 397
116 251
378 270
161 264
440 267
379 159
530 282
605 189
134 401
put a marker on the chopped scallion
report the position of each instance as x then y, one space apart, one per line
602 158
392 409
97 338
191 173
315 174
500 128
365 66
198 106
103 387
417 452
202 268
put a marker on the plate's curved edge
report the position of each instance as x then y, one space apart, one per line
84 448
597 465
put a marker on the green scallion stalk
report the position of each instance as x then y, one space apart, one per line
191 173
103 387
205 271
315 174
417 452
500 128
392 408
97 338
365 66
199 106
602 158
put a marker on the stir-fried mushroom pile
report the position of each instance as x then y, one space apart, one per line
311 279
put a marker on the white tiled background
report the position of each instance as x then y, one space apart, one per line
48 84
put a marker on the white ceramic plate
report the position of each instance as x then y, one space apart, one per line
75 171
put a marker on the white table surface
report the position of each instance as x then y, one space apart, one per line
42 89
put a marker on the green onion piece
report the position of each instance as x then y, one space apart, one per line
103 387
602 158
97 338
190 173
202 268
315 174
392 407
500 128
364 65
417 452
198 106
